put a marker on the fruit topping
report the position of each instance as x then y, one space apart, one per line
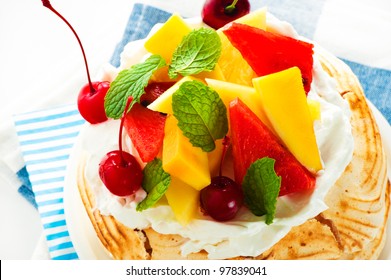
285 103
268 53
181 159
223 197
91 103
164 41
234 68
119 170
183 200
90 100
217 13
146 130
252 140
153 91
121 173
248 95
163 103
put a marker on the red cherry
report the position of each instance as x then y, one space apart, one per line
217 13
221 199
91 104
119 170
91 97
121 173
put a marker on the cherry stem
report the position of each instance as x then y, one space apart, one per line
46 3
226 143
231 8
130 99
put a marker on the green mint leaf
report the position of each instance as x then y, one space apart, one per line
198 52
130 82
201 114
261 187
155 183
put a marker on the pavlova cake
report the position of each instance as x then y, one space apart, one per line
243 142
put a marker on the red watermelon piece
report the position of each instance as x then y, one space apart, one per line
268 53
146 130
252 140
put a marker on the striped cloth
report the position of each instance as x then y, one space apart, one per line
46 137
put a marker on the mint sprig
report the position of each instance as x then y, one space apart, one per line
198 51
201 114
261 187
155 183
130 82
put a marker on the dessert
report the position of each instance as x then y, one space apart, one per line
322 193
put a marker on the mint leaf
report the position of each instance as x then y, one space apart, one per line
261 187
201 114
155 183
198 52
130 82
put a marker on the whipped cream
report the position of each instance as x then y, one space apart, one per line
246 235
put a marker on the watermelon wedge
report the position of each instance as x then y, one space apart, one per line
268 53
146 130
252 140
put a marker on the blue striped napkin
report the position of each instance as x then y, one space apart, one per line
46 137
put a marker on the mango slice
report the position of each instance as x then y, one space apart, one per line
168 37
286 107
163 103
181 159
248 95
183 200
235 69
216 74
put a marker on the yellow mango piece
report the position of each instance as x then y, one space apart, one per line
314 107
183 200
214 158
163 103
181 159
168 37
285 104
216 74
161 75
235 69
256 18
248 95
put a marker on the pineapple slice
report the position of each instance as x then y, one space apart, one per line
286 107
235 69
